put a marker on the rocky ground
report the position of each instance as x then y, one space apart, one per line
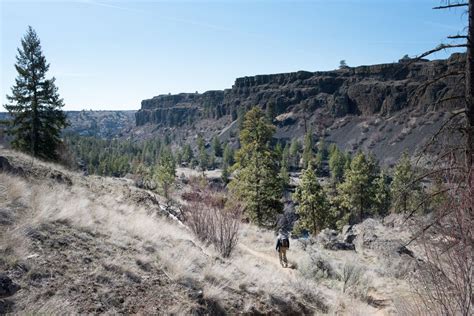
76 244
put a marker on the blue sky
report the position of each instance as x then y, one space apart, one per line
112 54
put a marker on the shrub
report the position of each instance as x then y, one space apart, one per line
351 276
213 220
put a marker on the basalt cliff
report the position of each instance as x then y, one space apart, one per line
356 107
365 90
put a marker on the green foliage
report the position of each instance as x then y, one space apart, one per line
216 147
203 155
322 150
284 167
406 192
35 104
271 111
165 172
256 180
225 174
295 148
228 156
308 150
337 161
113 157
357 190
187 155
313 206
382 194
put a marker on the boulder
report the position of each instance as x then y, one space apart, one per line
7 287
330 239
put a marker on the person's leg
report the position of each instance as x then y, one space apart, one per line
285 260
280 254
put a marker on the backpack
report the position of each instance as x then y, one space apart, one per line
285 243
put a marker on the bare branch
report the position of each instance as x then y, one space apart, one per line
440 48
458 36
422 88
449 6
441 129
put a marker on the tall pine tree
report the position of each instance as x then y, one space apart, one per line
405 190
35 105
313 206
256 180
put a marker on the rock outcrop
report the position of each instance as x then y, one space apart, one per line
365 90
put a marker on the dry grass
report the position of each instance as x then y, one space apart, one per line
106 206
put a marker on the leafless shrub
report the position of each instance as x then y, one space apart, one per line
447 274
316 266
351 276
444 281
213 220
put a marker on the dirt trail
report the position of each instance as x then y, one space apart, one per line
273 259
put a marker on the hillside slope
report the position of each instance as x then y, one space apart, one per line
77 244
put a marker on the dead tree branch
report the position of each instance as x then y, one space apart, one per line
453 5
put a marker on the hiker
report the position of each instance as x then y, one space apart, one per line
283 244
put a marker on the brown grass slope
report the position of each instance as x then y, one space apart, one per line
78 244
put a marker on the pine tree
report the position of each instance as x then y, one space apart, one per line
405 191
165 173
37 118
256 180
225 174
284 167
228 156
295 148
337 162
187 155
203 156
357 190
308 150
313 206
382 194
216 147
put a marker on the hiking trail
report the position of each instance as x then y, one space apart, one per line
273 259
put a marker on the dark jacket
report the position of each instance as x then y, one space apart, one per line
278 245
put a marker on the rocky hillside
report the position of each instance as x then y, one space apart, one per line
74 244
103 124
354 107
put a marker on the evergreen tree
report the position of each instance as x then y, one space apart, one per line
322 150
278 151
308 150
203 156
228 156
284 167
313 206
337 162
187 155
225 174
270 111
256 179
37 118
357 190
216 147
382 194
165 173
405 191
295 148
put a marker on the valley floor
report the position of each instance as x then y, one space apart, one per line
87 244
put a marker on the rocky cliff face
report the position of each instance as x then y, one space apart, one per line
365 90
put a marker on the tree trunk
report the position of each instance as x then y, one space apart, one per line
470 91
